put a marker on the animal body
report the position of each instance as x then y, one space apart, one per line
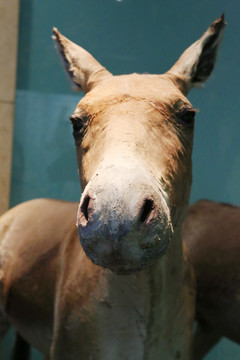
211 233
127 291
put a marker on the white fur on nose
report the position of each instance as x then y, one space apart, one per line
123 220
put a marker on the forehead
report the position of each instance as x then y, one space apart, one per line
159 89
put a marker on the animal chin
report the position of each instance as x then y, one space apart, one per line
123 261
121 268
126 271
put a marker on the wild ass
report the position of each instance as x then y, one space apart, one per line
133 136
211 233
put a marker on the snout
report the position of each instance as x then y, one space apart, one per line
146 210
123 225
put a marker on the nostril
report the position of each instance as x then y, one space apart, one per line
147 210
84 211
84 207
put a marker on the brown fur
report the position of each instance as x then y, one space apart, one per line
212 232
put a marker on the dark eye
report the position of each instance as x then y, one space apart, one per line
79 125
186 117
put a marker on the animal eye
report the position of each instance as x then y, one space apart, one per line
79 125
186 117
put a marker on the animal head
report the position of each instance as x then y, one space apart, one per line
133 136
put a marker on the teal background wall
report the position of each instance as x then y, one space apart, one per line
125 36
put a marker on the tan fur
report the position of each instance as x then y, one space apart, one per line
50 266
134 145
28 257
127 116
211 233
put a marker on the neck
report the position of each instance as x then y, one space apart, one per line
137 316
158 297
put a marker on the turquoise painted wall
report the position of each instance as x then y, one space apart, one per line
125 36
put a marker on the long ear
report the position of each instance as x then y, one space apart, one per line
84 71
197 62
